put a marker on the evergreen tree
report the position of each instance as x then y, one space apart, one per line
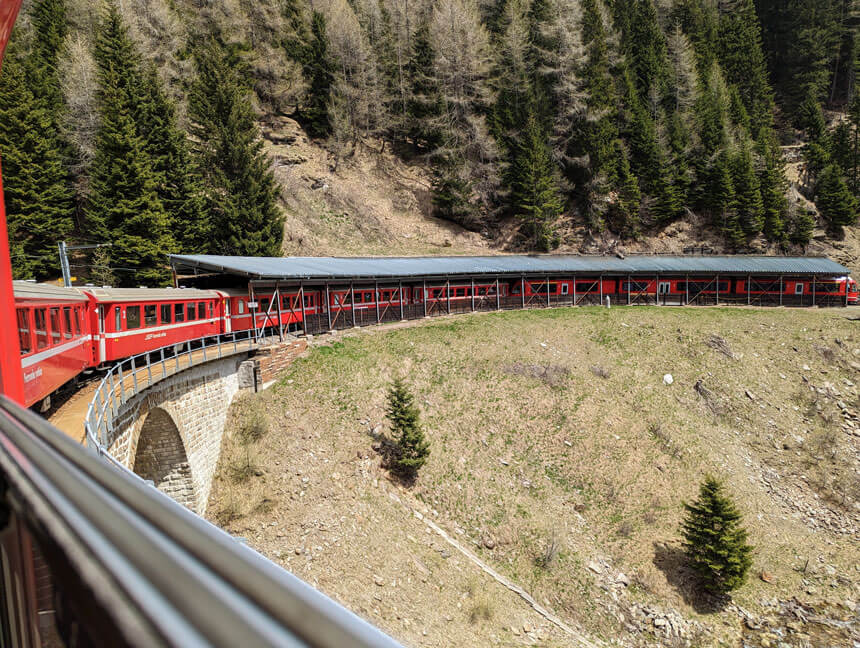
452 192
742 61
424 107
242 191
623 213
799 225
319 74
177 181
295 40
721 202
750 208
124 206
773 184
646 49
714 540
835 203
534 193
49 31
412 448
38 197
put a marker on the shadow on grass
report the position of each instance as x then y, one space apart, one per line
672 561
388 450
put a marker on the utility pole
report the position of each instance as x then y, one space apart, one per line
64 258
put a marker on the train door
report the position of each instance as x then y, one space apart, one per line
228 325
101 334
663 288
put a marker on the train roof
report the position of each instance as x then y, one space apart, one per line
340 268
30 290
148 294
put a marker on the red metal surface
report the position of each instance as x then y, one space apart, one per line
11 380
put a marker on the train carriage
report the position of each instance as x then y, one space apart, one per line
54 337
128 321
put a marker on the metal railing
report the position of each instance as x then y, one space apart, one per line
130 376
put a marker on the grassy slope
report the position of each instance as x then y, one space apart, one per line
521 454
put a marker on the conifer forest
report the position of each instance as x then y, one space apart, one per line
138 122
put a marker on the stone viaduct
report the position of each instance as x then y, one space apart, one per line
171 432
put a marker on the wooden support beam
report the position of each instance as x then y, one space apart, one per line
499 302
352 301
277 296
400 297
376 299
304 310
327 305
424 296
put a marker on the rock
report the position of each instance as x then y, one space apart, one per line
379 580
749 394
659 622
767 577
622 579
667 379
595 567
489 543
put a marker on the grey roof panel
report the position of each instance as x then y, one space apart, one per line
27 290
309 268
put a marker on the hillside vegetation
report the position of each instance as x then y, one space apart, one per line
560 458
592 125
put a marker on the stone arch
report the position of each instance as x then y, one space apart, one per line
161 457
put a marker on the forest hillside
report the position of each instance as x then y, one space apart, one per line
414 127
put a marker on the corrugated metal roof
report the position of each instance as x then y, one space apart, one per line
32 290
309 268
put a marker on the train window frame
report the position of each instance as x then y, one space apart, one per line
67 320
41 332
133 319
150 315
25 330
565 288
201 310
166 314
77 319
56 328
190 312
241 306
117 310
211 310
178 312
799 288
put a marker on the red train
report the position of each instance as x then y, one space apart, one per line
63 332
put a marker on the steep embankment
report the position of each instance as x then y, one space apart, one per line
374 203
561 459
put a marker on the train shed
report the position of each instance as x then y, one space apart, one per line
471 283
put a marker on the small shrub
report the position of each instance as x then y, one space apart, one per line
411 448
550 552
229 512
714 540
254 426
625 530
243 468
481 611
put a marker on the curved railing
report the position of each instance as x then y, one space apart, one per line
130 376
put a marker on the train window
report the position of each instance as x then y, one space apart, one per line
117 312
211 310
190 313
24 331
828 287
179 312
308 301
201 310
564 288
55 325
241 309
150 315
798 288
166 312
77 321
67 320
41 328
132 317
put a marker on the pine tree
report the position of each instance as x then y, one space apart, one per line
319 74
124 206
535 194
799 225
773 184
177 181
646 49
835 203
412 449
623 215
750 208
742 61
424 106
242 191
49 31
721 202
452 192
39 203
715 541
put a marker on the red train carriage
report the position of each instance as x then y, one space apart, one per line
53 336
128 321
242 313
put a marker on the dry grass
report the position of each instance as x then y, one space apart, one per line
521 444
